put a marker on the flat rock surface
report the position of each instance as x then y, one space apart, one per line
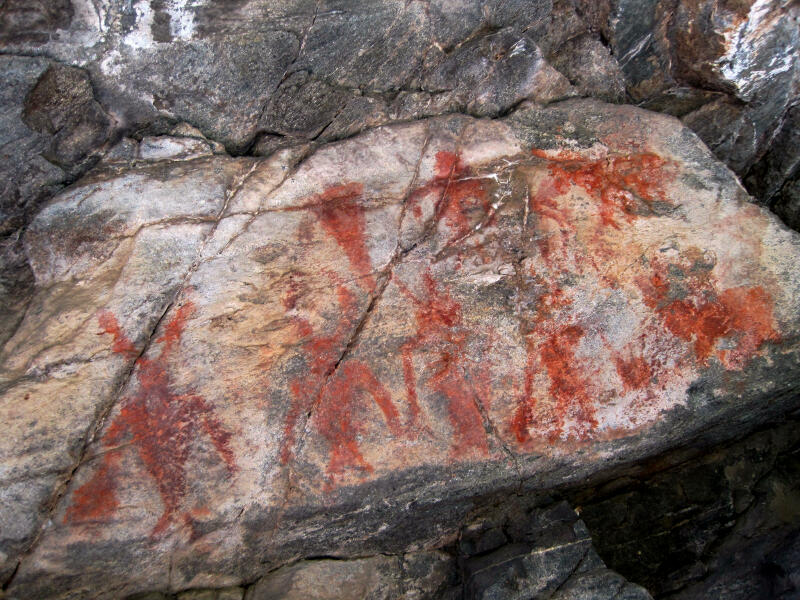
337 354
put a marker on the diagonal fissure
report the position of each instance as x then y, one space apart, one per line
97 424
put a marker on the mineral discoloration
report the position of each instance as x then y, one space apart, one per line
494 309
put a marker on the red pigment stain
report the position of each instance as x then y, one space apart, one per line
336 392
619 184
322 353
568 387
438 319
159 423
294 290
458 191
634 371
615 182
96 500
340 210
548 305
338 423
703 315
544 204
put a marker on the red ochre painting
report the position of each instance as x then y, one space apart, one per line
686 314
159 423
562 388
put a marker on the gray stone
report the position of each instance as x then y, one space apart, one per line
374 578
302 106
492 73
787 205
780 163
256 68
600 584
719 524
27 178
591 68
219 84
173 148
62 105
557 561
33 21
324 353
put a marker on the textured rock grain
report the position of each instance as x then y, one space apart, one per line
341 357
302 69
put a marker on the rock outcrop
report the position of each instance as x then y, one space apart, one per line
350 352
367 292
255 75
721 525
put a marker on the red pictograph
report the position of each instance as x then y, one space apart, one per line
159 423
440 333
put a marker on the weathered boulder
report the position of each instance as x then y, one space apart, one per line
344 354
719 524
245 69
543 552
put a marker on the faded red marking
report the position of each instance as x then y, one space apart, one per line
121 344
458 191
336 393
544 204
159 423
618 183
174 329
336 420
568 384
548 305
634 371
569 387
293 291
752 321
439 329
341 214
96 500
704 315
322 353
621 186
192 518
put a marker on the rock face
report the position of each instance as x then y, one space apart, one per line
256 74
348 353
722 526
543 552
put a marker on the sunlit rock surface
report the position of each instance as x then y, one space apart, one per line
336 354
